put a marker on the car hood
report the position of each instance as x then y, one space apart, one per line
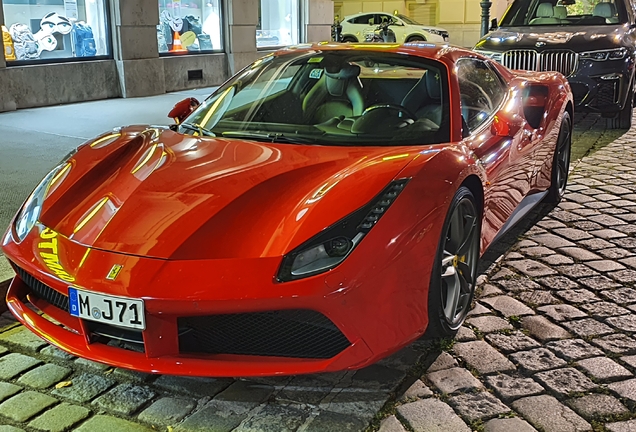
157 193
541 38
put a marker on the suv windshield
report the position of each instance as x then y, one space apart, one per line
564 13
341 97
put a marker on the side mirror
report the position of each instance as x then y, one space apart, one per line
183 109
493 24
507 125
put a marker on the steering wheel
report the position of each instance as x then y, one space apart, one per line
393 107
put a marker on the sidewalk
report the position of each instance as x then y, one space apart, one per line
549 346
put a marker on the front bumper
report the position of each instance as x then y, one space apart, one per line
178 292
602 86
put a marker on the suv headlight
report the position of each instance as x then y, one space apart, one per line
493 55
334 244
30 211
615 54
433 31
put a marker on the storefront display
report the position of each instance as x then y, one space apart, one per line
278 23
55 29
189 26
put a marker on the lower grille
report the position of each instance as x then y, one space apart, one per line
607 94
288 333
43 291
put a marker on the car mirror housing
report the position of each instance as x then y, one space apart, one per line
183 109
493 24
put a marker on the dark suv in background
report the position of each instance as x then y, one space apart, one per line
592 42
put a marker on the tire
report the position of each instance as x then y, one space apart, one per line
623 120
416 39
455 267
349 39
561 161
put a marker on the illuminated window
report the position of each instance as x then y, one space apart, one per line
189 26
278 23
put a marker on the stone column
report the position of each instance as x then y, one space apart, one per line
320 15
242 19
135 47
3 63
7 101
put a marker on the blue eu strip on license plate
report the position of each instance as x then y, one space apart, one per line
114 310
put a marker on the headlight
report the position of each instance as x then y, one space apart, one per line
615 54
493 55
433 31
30 212
334 244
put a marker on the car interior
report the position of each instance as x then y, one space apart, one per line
567 12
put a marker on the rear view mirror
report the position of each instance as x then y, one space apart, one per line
183 109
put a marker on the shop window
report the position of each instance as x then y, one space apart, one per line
55 30
278 23
189 26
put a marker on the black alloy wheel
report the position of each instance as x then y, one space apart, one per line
453 278
561 161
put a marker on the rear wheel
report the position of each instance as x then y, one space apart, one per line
623 120
452 284
561 161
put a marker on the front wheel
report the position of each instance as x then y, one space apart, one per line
349 39
416 39
561 161
454 272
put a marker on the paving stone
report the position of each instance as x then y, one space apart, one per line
588 327
624 389
482 357
626 322
573 234
580 254
455 379
543 329
167 411
627 243
490 290
56 353
596 243
25 405
443 361
549 414
621 295
604 309
44 376
532 268
489 324
243 395
630 360
84 388
616 344
573 349
557 259
378 376
548 223
624 276
565 381
91 365
60 418
536 298
538 359
192 386
624 426
558 283
597 406
577 271
478 406
579 198
615 253
102 423
124 399
504 273
607 234
7 428
479 309
536 251
519 284
598 283
131 375
605 265
23 338
431 415
562 312
274 418
509 388
507 425
391 424
511 343
578 296
508 306
417 390
604 368
465 334
513 255
324 422
14 364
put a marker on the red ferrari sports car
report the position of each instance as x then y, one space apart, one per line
323 208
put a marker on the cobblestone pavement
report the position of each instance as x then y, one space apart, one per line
549 346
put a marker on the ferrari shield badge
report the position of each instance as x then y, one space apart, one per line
114 272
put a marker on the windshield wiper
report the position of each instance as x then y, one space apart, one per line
269 137
194 127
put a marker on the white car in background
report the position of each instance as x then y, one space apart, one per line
355 27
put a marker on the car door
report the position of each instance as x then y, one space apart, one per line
498 137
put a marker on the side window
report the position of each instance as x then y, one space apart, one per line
380 18
481 91
362 19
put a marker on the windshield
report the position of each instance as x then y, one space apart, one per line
564 13
408 20
342 97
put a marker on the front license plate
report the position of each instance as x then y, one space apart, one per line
107 309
